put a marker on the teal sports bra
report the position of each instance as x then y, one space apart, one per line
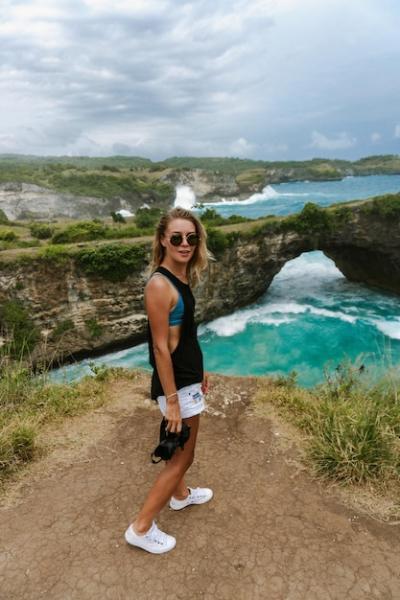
176 314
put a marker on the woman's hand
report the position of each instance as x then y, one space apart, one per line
173 415
205 384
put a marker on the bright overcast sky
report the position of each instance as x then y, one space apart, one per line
269 79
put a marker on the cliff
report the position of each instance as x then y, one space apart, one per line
84 188
80 301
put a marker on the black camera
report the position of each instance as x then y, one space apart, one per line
169 442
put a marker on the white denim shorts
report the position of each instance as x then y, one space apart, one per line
191 401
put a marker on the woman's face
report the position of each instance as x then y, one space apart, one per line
184 251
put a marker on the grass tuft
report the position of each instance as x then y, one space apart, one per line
28 401
351 426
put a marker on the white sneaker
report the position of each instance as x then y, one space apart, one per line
196 496
154 540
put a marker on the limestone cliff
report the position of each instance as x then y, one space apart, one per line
78 313
21 201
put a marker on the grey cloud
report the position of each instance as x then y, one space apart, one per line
204 77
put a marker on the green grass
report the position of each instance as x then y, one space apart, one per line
18 330
351 426
29 401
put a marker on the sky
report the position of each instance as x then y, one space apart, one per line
261 79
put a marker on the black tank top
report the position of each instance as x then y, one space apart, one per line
187 358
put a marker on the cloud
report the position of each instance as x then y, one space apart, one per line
338 142
397 131
161 77
376 137
241 148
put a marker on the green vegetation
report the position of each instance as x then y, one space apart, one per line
94 328
351 426
82 231
114 262
147 218
387 206
385 164
85 231
250 177
53 254
28 402
213 218
41 231
61 328
17 328
3 218
82 176
218 241
117 217
7 235
139 179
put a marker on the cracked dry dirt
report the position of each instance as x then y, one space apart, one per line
270 532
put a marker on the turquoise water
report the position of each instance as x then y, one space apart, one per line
310 319
287 198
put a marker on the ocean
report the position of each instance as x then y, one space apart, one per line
311 318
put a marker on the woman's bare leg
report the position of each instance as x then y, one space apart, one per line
168 480
181 491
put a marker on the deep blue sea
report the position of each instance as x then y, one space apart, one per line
310 319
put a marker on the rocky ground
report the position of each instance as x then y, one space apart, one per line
270 532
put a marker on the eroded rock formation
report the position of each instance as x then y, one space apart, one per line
77 314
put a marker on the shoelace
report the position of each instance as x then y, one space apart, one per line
157 536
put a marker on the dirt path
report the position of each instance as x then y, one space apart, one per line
269 533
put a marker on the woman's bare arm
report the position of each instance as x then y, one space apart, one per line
158 301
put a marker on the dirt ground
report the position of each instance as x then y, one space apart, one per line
270 532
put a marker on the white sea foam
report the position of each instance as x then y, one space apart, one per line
267 193
389 328
185 197
334 315
274 313
311 265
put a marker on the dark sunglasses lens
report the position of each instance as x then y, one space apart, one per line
176 239
193 239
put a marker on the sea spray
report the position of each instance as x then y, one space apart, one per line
185 197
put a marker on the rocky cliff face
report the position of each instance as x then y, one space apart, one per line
29 201
212 186
77 314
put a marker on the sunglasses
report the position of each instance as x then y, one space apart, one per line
192 239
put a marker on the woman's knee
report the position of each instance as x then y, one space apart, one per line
181 462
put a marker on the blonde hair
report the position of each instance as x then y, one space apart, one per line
201 255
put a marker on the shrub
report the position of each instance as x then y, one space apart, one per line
41 231
94 328
114 262
217 241
147 217
387 206
7 235
211 217
54 254
312 220
19 329
128 231
117 217
80 232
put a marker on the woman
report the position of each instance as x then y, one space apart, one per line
178 381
